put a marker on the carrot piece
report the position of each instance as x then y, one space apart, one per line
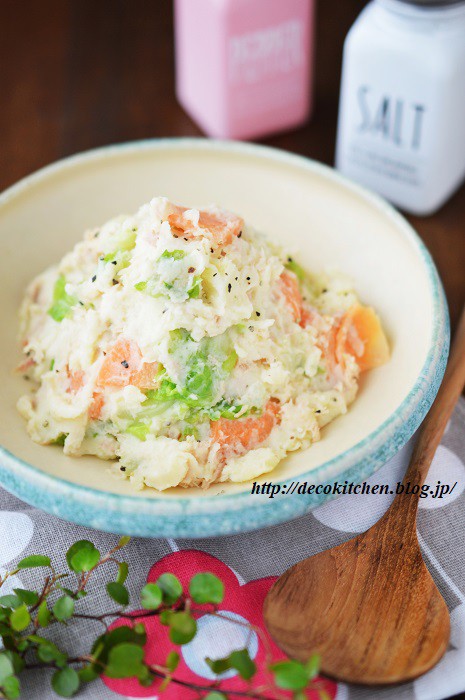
362 335
289 288
123 365
76 380
95 408
119 364
221 224
25 365
246 433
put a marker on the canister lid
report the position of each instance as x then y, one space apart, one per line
433 3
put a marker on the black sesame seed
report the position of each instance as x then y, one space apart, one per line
214 274
113 262
239 234
125 363
94 278
115 281
289 260
229 287
82 303
211 250
317 410
191 269
123 469
164 311
257 313
251 329
175 236
236 278
323 291
185 238
247 278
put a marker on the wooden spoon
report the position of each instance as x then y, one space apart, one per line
369 607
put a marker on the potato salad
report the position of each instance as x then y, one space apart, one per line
188 349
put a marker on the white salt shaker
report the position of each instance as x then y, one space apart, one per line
401 128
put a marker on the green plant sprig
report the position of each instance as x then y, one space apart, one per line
119 652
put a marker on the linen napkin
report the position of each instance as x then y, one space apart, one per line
249 563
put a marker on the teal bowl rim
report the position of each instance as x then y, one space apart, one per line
229 514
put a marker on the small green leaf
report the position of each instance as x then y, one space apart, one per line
123 541
151 596
43 614
10 601
82 556
172 661
290 675
145 677
183 628
165 616
123 570
65 682
28 597
6 667
11 688
33 561
124 660
63 608
218 666
140 286
313 665
241 661
206 588
117 636
118 592
171 588
48 651
16 659
139 628
87 673
20 618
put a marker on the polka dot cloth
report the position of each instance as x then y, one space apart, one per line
248 564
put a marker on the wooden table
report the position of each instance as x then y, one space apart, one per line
82 73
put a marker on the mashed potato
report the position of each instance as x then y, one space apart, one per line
188 348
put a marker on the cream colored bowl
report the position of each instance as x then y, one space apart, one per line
305 206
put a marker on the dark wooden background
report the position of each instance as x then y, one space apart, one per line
75 74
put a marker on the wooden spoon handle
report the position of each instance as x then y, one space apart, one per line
435 422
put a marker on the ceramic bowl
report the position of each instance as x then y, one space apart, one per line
315 213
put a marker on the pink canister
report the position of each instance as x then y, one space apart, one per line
243 67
